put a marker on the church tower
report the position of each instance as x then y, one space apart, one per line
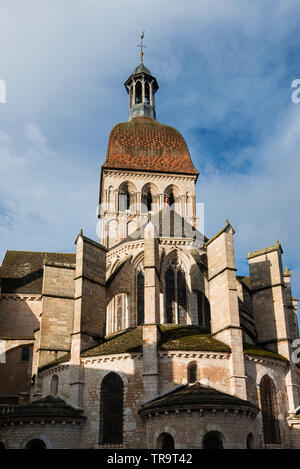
147 169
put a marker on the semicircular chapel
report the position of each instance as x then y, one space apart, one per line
147 337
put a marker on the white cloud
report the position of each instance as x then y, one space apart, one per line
220 66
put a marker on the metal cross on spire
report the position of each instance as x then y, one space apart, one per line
141 45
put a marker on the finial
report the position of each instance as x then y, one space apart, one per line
277 243
141 45
81 232
227 221
287 272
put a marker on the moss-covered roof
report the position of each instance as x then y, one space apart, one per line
276 247
62 359
126 341
48 408
22 271
196 395
181 337
251 349
228 225
173 337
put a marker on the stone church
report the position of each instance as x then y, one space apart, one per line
148 338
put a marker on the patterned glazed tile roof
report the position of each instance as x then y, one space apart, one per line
145 144
22 271
194 395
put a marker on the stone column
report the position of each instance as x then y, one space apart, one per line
89 308
225 321
138 202
270 311
150 329
143 90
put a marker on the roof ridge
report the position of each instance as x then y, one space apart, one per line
40 252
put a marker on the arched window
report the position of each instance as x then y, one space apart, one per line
170 199
165 441
54 385
203 310
192 373
206 312
250 441
140 298
170 295
148 197
269 411
35 444
212 440
111 232
111 201
147 93
124 200
138 92
131 96
117 313
176 292
25 354
181 297
111 409
147 201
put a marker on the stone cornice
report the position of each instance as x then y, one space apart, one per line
200 410
112 357
124 248
145 175
62 265
268 361
54 369
21 296
41 420
194 354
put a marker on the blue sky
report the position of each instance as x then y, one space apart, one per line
225 71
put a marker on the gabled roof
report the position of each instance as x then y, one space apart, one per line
276 247
196 395
22 271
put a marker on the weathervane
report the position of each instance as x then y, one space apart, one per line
141 45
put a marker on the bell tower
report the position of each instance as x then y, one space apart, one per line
148 170
141 87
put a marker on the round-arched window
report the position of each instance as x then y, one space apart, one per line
192 373
35 444
165 441
54 385
212 440
250 441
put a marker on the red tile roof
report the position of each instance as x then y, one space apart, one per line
145 144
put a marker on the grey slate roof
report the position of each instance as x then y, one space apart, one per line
141 69
49 408
197 395
22 271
